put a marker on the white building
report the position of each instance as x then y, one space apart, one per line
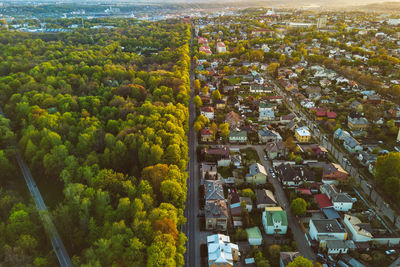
274 220
220 251
340 201
221 47
323 229
358 233
207 112
336 246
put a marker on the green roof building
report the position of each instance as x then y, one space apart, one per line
274 220
254 236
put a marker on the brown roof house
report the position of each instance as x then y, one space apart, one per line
234 120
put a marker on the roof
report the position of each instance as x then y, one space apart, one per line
331 115
254 232
221 44
275 146
205 132
327 226
265 196
323 201
222 151
220 249
356 223
213 190
216 209
237 134
256 168
330 213
275 215
332 168
303 131
207 109
303 191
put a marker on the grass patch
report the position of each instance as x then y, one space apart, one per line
250 154
225 172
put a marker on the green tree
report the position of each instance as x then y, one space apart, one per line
300 262
224 128
298 206
216 95
197 101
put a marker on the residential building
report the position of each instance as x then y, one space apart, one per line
220 154
213 190
265 198
274 220
220 103
341 134
221 252
265 135
237 136
206 135
303 134
221 47
352 145
208 171
341 201
254 236
356 121
359 231
207 112
332 172
323 201
291 176
257 174
275 149
216 215
323 229
234 120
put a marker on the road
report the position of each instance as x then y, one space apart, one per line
56 242
191 228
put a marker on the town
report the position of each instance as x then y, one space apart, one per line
293 110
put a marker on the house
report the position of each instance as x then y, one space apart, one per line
352 145
291 176
205 49
287 257
234 120
221 252
340 134
206 135
202 40
323 201
366 158
236 209
359 231
220 154
355 105
254 236
336 246
323 229
356 121
221 47
307 103
208 171
213 190
319 151
216 215
394 112
341 201
257 174
236 160
331 115
275 149
274 220
207 112
237 136
265 135
332 172
265 198
303 134
220 104
285 119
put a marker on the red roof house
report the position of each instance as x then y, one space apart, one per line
323 201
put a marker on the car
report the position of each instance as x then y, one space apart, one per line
271 170
265 157
273 175
390 251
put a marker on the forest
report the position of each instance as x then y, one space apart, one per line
95 112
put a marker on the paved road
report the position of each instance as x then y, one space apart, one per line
298 233
191 228
58 246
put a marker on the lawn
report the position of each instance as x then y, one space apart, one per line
250 154
225 172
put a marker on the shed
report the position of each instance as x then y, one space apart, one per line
254 236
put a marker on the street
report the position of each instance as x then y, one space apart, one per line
191 229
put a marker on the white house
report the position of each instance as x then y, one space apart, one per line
358 233
274 220
220 251
340 201
321 229
208 112
221 47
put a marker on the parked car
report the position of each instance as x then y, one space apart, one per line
390 251
265 157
